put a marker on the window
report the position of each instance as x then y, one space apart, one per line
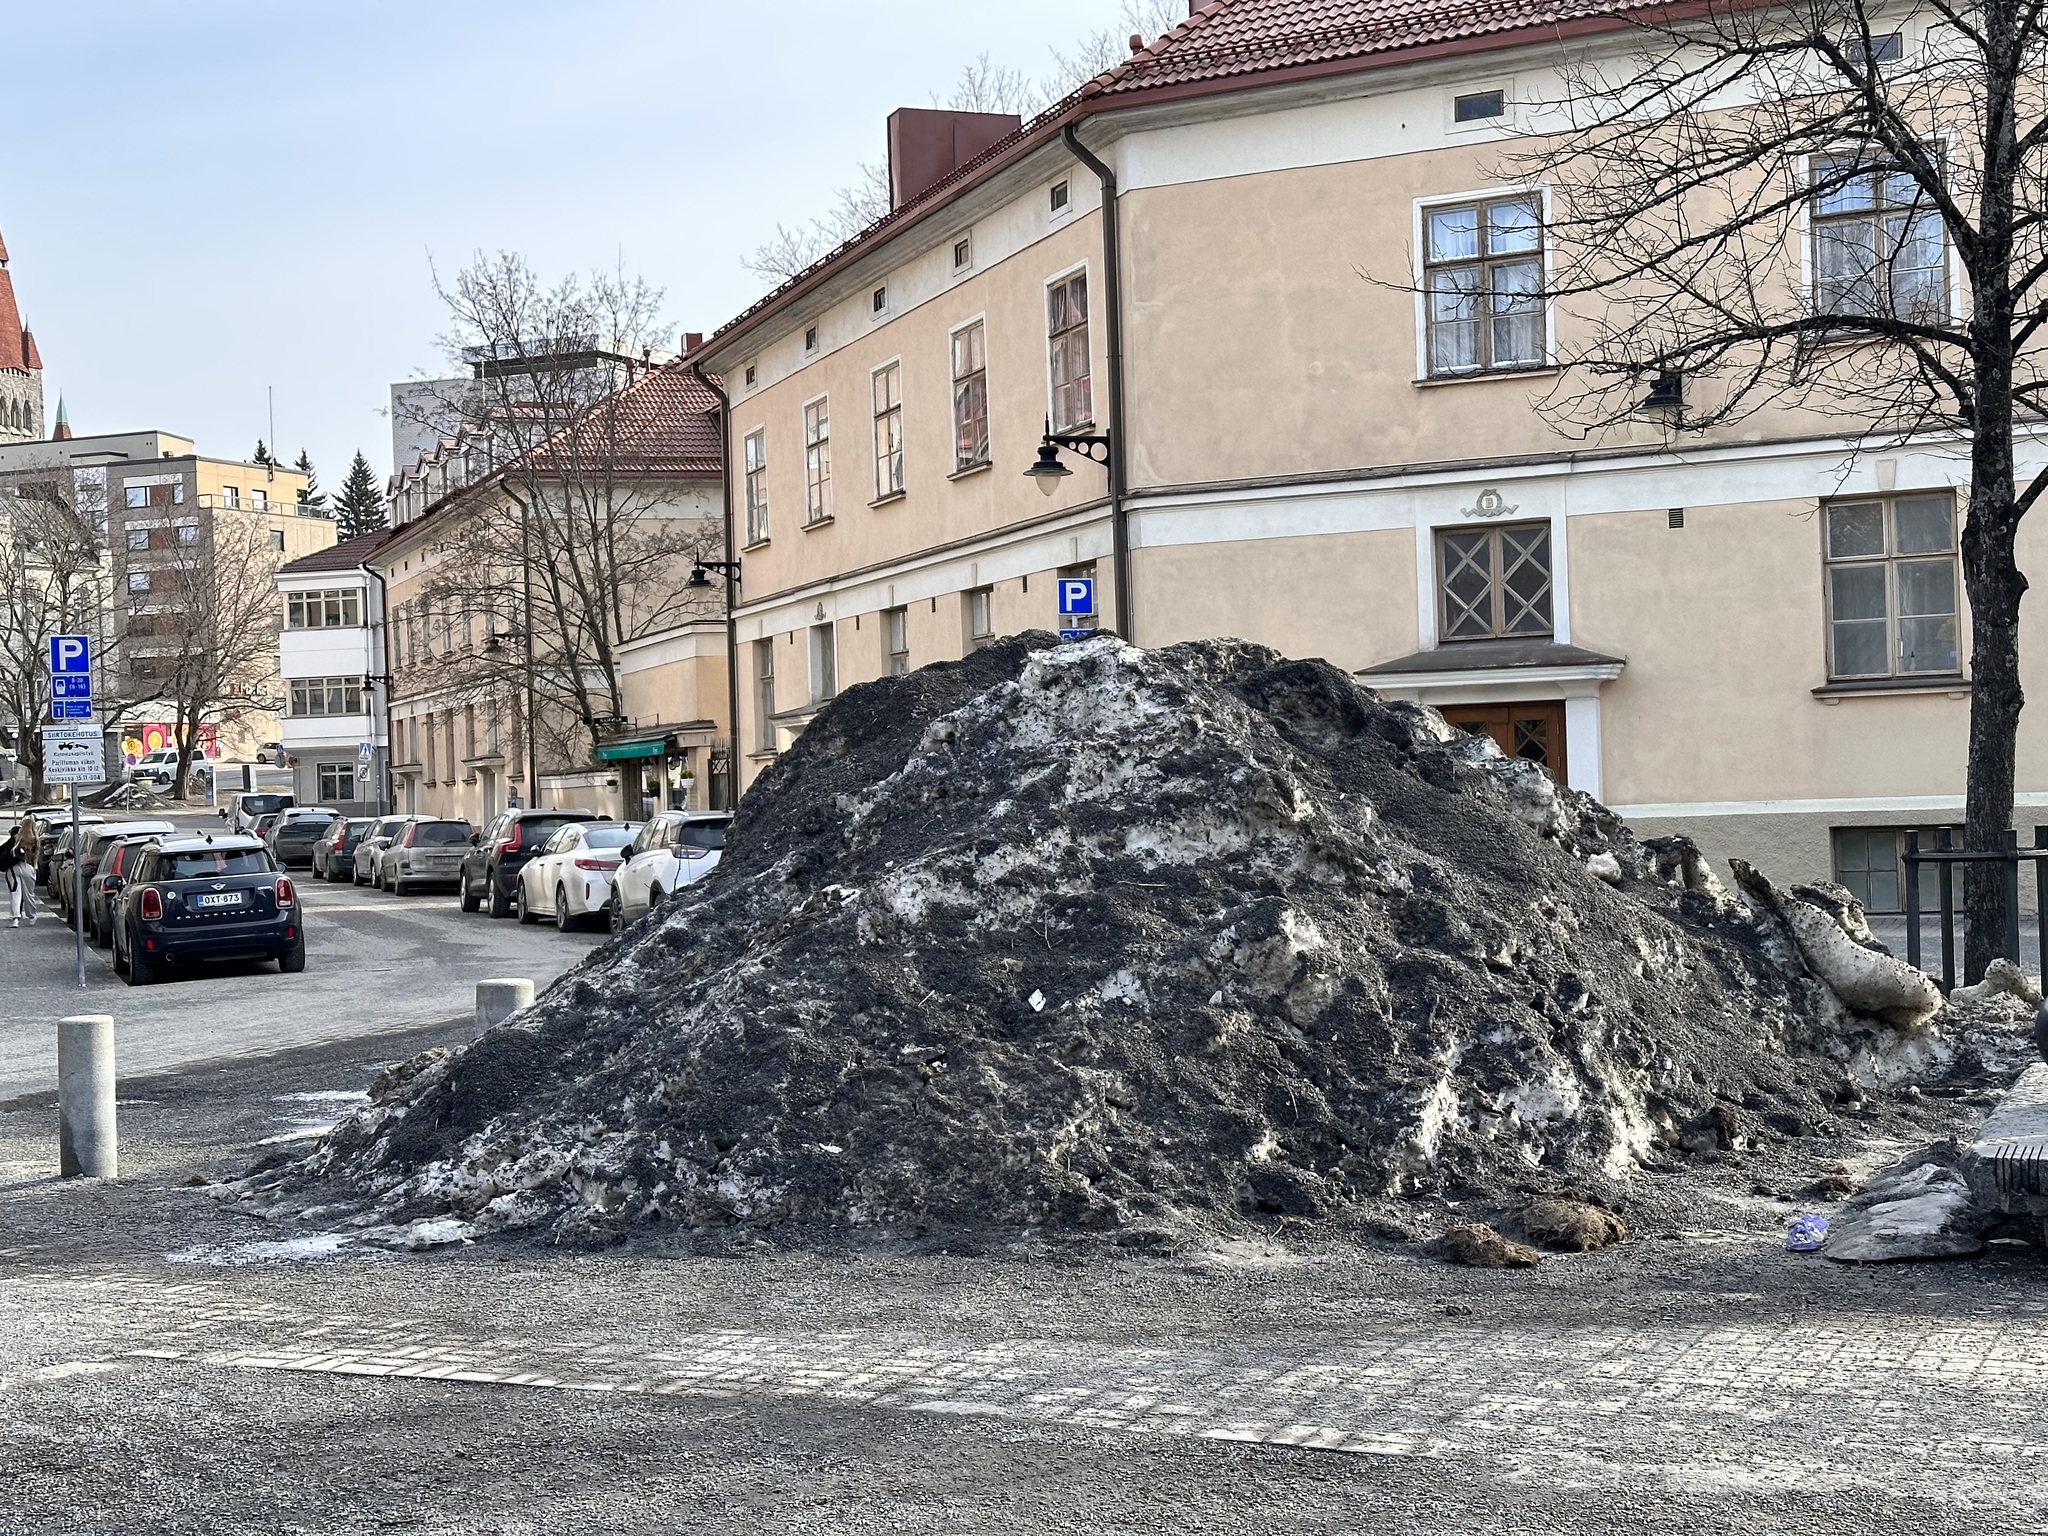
810 338
824 663
327 696
1884 48
981 627
1870 862
1891 588
259 501
817 462
187 535
970 397
1059 197
896 633
750 375
879 300
230 496
338 608
142 666
336 781
1478 107
1493 583
1066 329
1878 247
276 538
138 538
135 495
888 394
138 581
963 253
764 694
1483 285
757 485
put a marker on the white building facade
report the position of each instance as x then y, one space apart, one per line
331 657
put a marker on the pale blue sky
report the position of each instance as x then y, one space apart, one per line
204 197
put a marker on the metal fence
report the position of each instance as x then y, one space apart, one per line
1943 859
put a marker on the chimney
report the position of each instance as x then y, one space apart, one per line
927 144
692 340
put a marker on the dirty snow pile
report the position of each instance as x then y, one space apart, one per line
1090 937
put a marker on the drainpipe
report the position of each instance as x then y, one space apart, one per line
526 629
1112 282
732 624
380 655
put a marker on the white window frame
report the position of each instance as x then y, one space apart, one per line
757 532
1045 341
896 639
821 450
902 486
1958 301
822 642
952 385
1056 211
1419 270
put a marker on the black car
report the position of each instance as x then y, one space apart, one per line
103 890
490 870
293 836
206 898
334 856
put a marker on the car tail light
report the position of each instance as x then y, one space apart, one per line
152 905
597 863
511 843
285 895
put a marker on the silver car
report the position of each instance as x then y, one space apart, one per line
374 842
427 852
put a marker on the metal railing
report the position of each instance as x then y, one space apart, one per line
1944 857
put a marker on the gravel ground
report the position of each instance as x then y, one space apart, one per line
1703 1380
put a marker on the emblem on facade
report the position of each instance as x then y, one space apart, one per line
1489 504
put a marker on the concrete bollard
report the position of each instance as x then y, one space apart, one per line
499 998
88 1145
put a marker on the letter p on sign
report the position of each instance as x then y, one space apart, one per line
1077 595
70 654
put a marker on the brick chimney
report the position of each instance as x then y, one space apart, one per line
692 340
927 144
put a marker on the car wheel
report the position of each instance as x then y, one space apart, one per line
293 960
615 915
563 920
526 913
141 969
470 902
501 904
653 897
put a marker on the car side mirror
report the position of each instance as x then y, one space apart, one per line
476 839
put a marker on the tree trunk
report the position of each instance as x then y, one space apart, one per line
1995 585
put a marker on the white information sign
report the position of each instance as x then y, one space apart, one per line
74 754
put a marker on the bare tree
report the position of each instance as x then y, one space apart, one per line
1802 205
56 582
580 538
201 638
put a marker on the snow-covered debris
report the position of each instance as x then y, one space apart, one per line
1091 937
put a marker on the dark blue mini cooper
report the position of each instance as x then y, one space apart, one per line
206 898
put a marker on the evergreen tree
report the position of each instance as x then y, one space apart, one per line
262 456
312 499
359 509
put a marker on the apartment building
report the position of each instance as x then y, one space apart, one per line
543 648
331 662
1311 344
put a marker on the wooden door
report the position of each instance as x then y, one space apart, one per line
1534 730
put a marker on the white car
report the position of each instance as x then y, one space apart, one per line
674 849
570 879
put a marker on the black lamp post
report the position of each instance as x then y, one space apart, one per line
700 574
1048 471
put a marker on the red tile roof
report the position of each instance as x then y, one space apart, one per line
1231 44
17 347
345 556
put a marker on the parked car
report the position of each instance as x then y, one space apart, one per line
54 835
370 848
158 767
674 849
293 836
242 812
206 898
89 855
334 856
427 852
103 891
490 871
570 879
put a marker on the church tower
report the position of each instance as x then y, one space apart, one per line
21 369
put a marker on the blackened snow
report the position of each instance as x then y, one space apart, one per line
1092 937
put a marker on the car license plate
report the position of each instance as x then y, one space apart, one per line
222 899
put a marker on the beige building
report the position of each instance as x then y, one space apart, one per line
628 709
1753 636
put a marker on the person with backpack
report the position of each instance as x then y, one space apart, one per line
20 877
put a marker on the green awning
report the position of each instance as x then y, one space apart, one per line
614 751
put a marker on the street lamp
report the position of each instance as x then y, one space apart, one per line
700 574
1667 395
1048 471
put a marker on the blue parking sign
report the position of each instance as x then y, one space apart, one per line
67 686
70 654
72 709
1077 595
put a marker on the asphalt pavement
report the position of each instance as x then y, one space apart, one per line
375 964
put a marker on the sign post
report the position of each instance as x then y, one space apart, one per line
73 754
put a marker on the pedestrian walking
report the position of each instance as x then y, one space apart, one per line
20 878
